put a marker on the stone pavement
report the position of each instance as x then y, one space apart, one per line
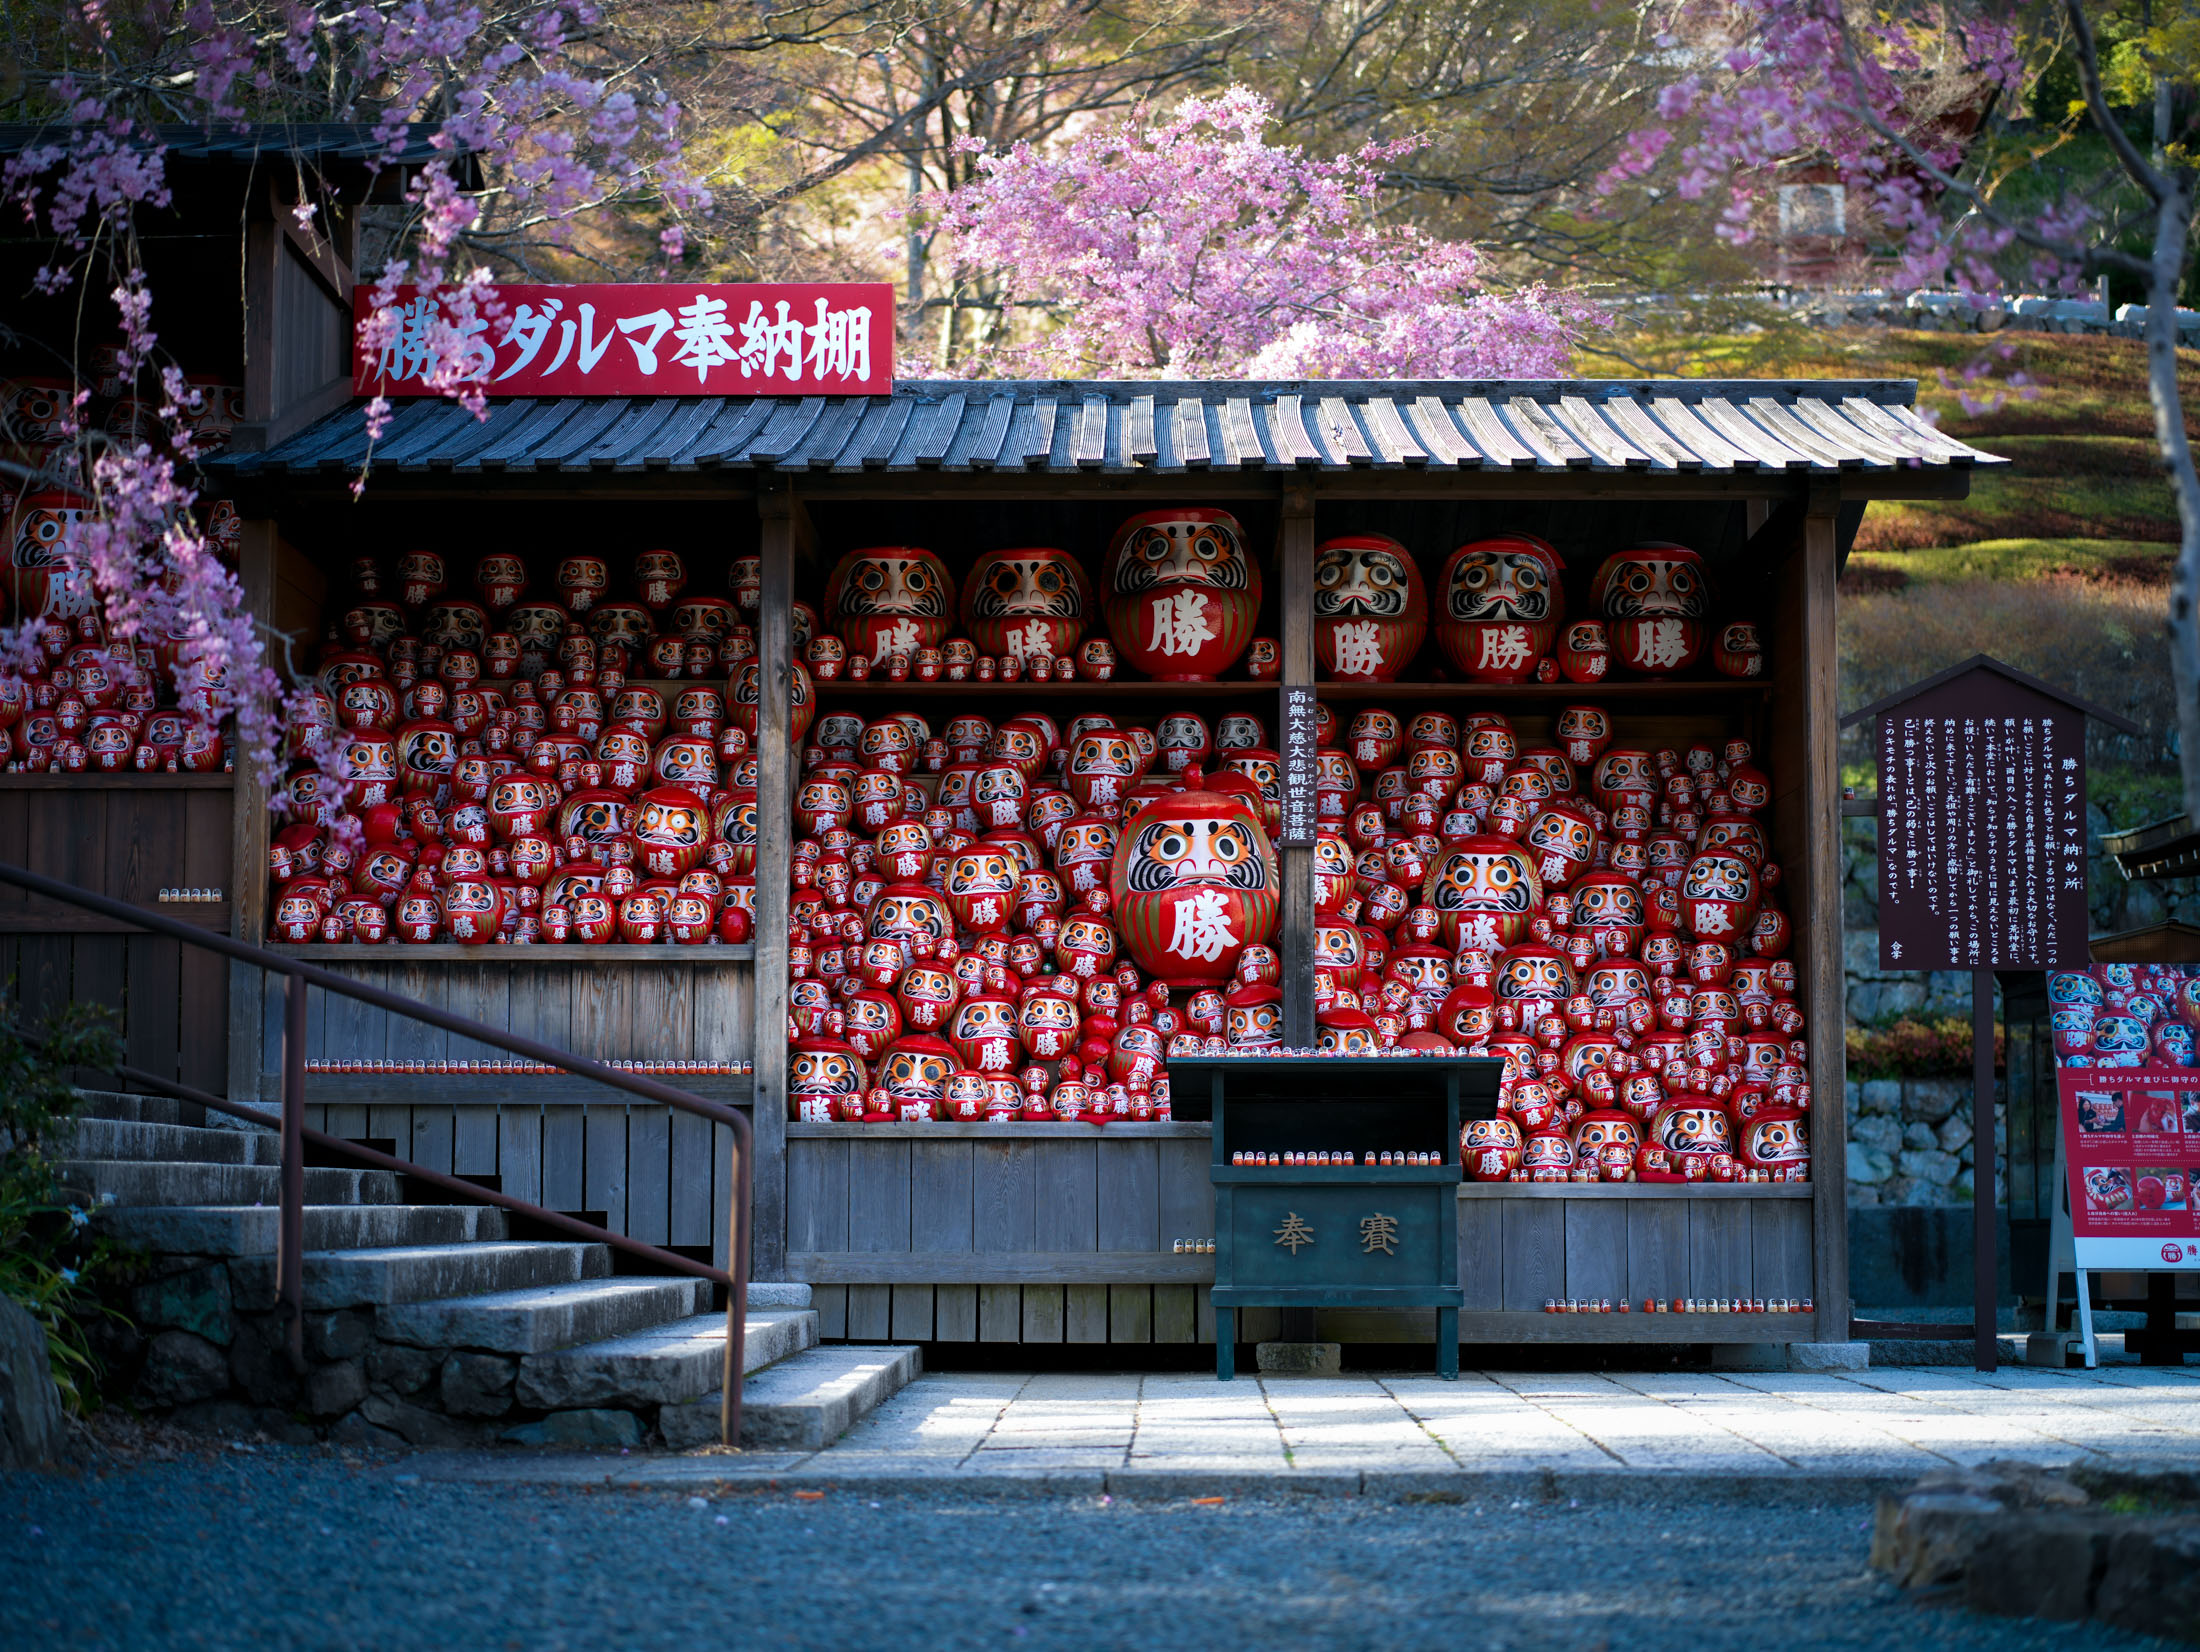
1180 1434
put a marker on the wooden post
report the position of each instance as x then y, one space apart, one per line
776 762
1985 1241
1295 601
248 849
1817 912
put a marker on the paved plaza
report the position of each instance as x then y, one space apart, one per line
1179 1433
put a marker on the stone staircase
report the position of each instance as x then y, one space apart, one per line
428 1325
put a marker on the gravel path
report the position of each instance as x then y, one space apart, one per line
305 1550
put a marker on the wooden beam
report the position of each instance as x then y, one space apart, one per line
1816 906
256 555
777 764
1295 602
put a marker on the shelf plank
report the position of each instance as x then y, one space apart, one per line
397 954
1126 1131
127 781
1635 1190
499 1089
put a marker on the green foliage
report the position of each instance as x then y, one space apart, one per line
2132 796
49 1257
2134 560
1908 1048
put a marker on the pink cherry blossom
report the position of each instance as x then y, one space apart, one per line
1188 245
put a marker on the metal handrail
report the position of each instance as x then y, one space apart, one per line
290 1247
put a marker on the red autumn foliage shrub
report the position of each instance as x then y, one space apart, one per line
1907 1048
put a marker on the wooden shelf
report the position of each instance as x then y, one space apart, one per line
126 781
1043 694
500 1089
540 952
1125 1131
1689 692
1634 1190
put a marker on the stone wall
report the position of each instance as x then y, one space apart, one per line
1910 1142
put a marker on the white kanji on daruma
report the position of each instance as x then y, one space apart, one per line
1194 882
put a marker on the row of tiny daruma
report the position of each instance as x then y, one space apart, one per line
1025 918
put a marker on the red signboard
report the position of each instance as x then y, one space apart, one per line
2131 1137
806 338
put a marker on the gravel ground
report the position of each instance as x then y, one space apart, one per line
301 1549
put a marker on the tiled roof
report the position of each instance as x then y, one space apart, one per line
321 141
1117 427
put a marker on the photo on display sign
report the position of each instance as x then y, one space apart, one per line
2101 1113
2163 1189
2155 1113
2107 1187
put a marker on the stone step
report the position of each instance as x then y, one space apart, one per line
101 1138
801 1404
664 1366
253 1230
116 1104
195 1182
386 1275
536 1320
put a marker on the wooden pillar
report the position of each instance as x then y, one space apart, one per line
1816 910
776 763
256 551
1985 1235
1295 604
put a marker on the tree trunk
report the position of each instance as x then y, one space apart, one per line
2172 232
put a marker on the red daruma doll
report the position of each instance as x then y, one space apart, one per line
890 599
1656 596
1370 609
1194 881
1502 602
1182 593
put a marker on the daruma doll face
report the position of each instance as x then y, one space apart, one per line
890 599
1484 891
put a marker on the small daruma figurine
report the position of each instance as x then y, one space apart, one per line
890 599
1370 609
1736 652
1194 882
1502 602
1484 890
1656 596
1030 603
1181 593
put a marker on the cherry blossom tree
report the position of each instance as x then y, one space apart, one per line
1189 245
523 92
1875 92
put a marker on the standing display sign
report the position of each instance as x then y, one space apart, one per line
2131 1138
798 338
1982 827
1982 867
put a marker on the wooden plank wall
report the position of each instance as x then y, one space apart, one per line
946 1204
1517 1253
652 1172
127 838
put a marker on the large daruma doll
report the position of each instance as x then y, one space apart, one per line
1502 602
890 599
1370 609
1194 882
1182 592
1656 597
1031 603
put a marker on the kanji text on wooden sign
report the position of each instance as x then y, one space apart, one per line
1981 828
1300 821
648 339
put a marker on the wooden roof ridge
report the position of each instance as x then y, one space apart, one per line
1986 662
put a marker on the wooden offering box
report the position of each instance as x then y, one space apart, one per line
1051 1232
1353 1232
